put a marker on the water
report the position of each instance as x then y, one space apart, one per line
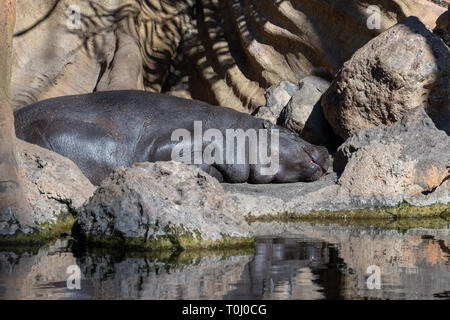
288 261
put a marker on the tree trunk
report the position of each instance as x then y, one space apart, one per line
15 213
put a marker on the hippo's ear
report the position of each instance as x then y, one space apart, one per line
267 124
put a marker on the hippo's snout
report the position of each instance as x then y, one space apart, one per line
320 159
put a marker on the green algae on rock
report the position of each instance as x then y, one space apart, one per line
43 233
403 210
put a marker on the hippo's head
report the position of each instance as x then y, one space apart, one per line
298 159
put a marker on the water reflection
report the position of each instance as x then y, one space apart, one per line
414 263
289 268
307 262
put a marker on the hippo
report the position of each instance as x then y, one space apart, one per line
101 131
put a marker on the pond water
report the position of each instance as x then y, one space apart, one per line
288 261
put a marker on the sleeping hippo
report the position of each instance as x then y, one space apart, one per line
104 130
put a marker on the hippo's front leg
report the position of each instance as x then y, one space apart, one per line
235 173
213 172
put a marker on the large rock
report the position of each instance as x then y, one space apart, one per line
404 67
303 114
277 97
162 200
55 187
411 158
54 184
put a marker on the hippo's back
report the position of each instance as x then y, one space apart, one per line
101 131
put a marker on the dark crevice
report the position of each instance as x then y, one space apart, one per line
427 192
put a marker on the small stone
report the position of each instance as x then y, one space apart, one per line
277 97
303 114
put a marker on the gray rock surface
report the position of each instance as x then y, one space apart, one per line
277 97
410 158
53 183
303 114
167 199
402 68
300 197
409 161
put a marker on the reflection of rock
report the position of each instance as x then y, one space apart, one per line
303 114
158 200
208 277
283 269
404 67
30 275
301 261
277 97
54 183
414 264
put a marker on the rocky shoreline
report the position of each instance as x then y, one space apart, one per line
385 119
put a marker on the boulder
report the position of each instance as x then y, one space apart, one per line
303 114
54 184
404 67
407 160
277 97
166 201
54 187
